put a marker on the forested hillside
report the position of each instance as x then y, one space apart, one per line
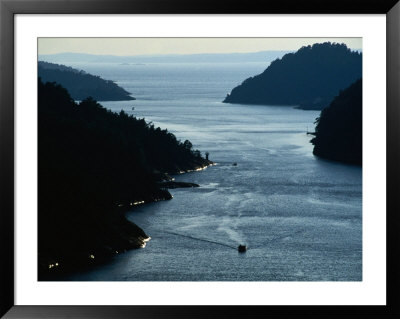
94 165
309 78
82 85
339 127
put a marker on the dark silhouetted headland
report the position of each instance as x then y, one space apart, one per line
308 78
94 165
338 134
82 85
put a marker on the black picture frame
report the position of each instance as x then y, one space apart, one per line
9 8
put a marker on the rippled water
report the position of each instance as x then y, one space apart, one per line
300 216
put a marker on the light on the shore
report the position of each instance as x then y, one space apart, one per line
137 203
91 256
145 240
197 169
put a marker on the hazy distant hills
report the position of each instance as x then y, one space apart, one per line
263 56
81 84
338 134
309 78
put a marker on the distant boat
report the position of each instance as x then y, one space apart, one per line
242 248
310 133
234 164
133 107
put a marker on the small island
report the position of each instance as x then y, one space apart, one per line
338 134
94 165
308 79
80 84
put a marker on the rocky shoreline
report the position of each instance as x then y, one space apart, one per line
173 184
122 235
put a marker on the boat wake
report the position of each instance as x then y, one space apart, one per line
201 239
278 238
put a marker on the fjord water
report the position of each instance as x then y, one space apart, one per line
300 216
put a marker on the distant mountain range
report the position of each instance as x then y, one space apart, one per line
309 78
263 56
81 84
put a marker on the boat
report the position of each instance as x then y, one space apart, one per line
242 248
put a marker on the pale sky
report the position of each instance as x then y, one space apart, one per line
144 46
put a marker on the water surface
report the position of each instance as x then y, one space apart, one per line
300 216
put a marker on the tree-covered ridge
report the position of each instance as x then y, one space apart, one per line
82 85
309 78
338 134
94 165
